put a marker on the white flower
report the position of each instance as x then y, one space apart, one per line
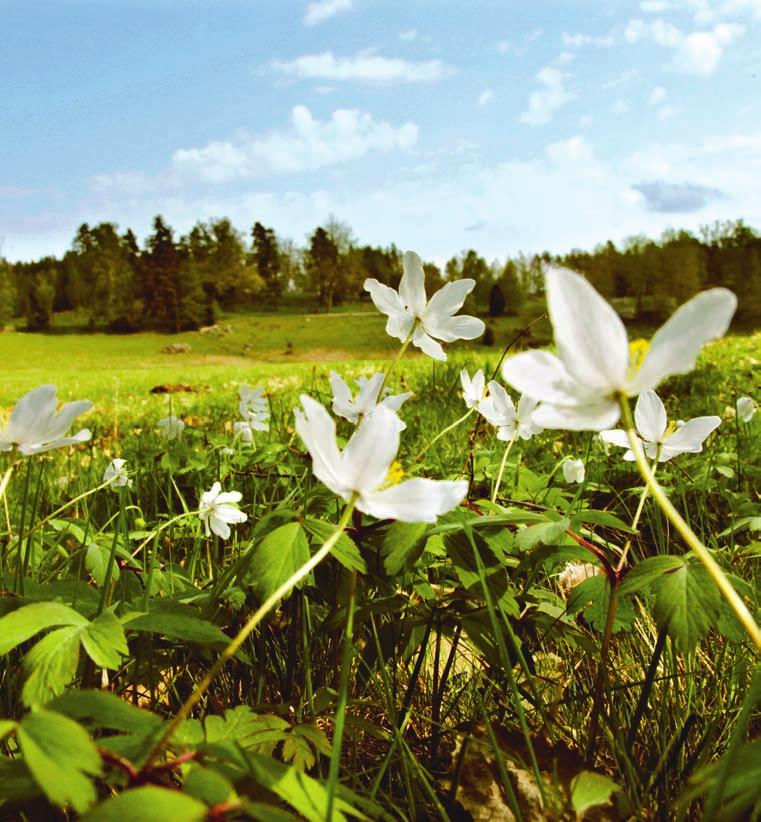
363 467
573 471
574 573
657 436
252 400
218 509
409 313
473 391
116 474
367 399
35 426
578 388
171 427
746 408
499 410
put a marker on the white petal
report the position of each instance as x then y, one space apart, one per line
342 399
676 345
746 408
318 431
573 471
63 420
590 338
690 437
396 401
498 407
543 375
506 432
593 417
227 497
367 396
428 345
416 500
219 526
62 442
412 285
388 302
615 437
31 417
449 329
371 450
650 416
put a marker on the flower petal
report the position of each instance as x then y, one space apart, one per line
592 417
396 401
367 396
318 431
368 455
388 302
689 438
449 329
650 416
412 285
616 436
31 417
677 343
448 299
543 376
416 500
590 338
428 345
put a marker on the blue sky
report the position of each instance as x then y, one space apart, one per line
436 125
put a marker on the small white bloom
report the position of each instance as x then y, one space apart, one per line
251 401
658 438
473 391
116 474
218 509
367 400
578 387
499 410
409 311
573 471
243 431
362 468
575 573
171 427
35 426
746 408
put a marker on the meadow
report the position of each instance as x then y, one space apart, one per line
549 648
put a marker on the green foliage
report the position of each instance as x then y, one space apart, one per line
277 556
149 804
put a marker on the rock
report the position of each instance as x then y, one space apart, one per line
177 388
176 348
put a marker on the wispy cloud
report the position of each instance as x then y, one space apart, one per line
486 97
366 66
578 40
408 35
551 96
321 10
676 198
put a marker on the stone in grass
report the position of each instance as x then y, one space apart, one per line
178 388
176 348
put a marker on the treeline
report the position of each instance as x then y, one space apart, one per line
179 283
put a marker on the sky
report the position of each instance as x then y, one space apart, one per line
435 125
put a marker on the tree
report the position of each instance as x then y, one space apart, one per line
161 278
322 266
496 301
512 289
267 260
7 294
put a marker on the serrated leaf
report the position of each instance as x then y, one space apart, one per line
25 622
177 621
96 562
61 758
279 555
687 604
592 596
545 533
244 727
149 804
644 573
298 752
104 641
106 710
403 543
590 789
50 665
345 550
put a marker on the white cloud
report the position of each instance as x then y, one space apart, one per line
410 34
503 46
697 53
321 10
553 94
486 96
579 40
665 112
620 107
366 66
657 95
655 6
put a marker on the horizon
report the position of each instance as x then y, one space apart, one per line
557 127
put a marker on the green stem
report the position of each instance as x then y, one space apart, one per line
105 588
343 698
399 355
438 436
704 555
502 465
246 630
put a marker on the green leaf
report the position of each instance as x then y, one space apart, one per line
345 550
545 533
96 562
177 621
106 710
149 804
590 789
104 641
301 743
51 665
687 604
246 728
23 623
403 543
208 785
279 555
592 596
604 518
646 572
7 727
61 758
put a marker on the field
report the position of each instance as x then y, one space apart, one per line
454 670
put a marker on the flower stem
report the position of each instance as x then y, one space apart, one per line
704 555
246 630
399 355
502 467
438 436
